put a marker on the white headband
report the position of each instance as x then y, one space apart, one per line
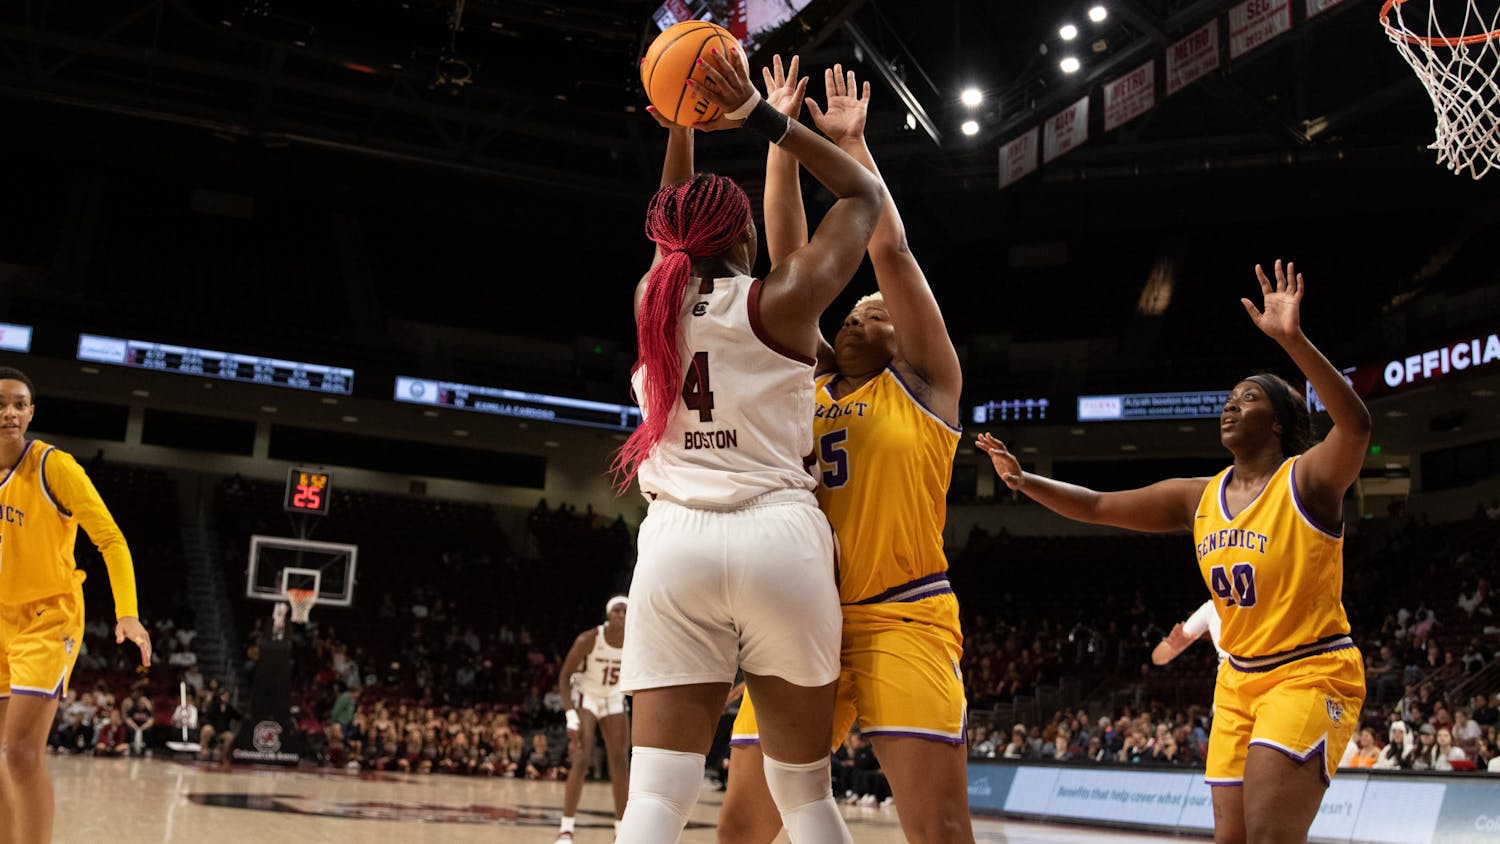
609 606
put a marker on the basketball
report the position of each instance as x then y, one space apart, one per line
672 60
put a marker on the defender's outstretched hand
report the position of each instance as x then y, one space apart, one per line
844 116
1006 464
1280 316
784 89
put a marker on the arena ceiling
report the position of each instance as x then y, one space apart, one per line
486 159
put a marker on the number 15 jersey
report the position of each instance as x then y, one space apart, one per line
1277 577
743 422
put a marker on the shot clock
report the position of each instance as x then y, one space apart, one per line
307 491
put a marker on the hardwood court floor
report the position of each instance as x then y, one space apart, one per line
136 801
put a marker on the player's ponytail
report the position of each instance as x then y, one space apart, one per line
700 218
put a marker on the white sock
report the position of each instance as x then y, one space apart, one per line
664 788
804 796
567 825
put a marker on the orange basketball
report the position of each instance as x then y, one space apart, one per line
673 59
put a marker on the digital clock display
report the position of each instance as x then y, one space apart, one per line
208 363
308 491
500 402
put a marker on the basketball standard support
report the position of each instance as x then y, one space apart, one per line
883 65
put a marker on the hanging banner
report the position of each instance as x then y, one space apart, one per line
1018 157
1317 7
1065 130
1254 22
1130 96
1194 56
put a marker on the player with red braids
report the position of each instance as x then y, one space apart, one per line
735 565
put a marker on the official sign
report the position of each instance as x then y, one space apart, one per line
1130 96
1196 55
1065 130
1255 22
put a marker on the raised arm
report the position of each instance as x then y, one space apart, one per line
1159 508
925 349
1329 468
786 219
798 290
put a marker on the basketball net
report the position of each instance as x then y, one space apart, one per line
1457 63
301 601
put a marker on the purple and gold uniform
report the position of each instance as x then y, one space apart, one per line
884 462
43 501
1293 679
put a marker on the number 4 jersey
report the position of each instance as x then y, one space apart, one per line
743 421
1277 576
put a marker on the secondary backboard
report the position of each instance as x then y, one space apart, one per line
278 563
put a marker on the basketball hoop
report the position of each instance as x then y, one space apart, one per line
301 601
1458 65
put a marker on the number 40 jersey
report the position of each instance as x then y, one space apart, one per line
742 419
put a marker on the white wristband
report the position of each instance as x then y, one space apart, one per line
745 107
571 716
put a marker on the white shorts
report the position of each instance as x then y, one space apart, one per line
602 706
714 590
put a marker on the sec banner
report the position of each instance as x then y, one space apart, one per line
1255 22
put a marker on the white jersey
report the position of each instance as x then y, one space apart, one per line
600 676
744 421
1205 619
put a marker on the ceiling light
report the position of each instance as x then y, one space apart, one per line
1098 13
1127 447
430 414
460 432
971 97
350 419
552 444
911 120
970 127
1028 449
89 370
1068 65
1068 32
1077 432
142 394
329 400
268 408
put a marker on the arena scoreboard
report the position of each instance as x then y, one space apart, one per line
308 491
515 403
208 363
1198 404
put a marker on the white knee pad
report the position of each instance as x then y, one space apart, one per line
804 796
794 785
664 787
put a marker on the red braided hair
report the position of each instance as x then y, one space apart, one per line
699 218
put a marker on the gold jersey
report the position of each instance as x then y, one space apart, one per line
43 501
1276 575
884 462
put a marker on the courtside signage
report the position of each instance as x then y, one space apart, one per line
1393 376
